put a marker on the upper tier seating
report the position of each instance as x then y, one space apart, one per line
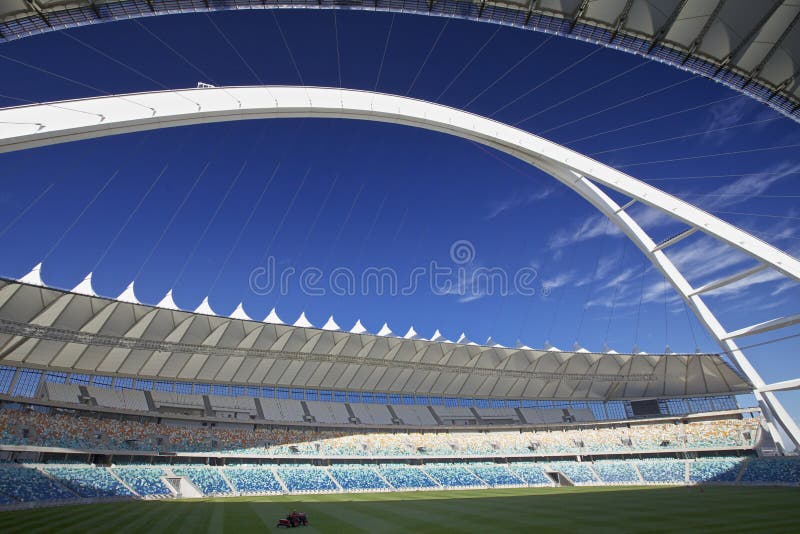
329 412
372 414
414 415
62 392
27 427
282 410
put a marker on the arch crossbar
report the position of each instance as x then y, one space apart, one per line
45 124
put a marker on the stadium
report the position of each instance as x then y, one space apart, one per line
123 411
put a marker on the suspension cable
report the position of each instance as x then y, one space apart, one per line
614 299
639 307
591 285
285 215
94 198
652 119
30 206
286 44
508 71
427 56
468 63
243 228
209 223
709 176
128 67
538 86
383 56
128 219
338 53
715 155
684 136
235 50
618 105
581 93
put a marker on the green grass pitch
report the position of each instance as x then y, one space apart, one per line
603 509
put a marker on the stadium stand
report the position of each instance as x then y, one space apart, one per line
306 479
772 471
452 475
253 479
614 472
145 481
28 484
579 473
662 471
206 479
495 475
533 474
406 477
358 478
715 470
89 481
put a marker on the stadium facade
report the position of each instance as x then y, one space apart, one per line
113 398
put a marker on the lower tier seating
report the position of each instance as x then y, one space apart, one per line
452 476
253 479
45 482
306 479
406 477
206 479
772 470
358 478
143 480
89 481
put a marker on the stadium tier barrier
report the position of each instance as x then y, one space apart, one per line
42 483
24 427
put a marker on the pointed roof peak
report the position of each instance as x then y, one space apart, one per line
168 302
34 277
239 313
272 317
85 287
437 336
205 308
129 295
358 328
303 321
411 334
385 330
330 324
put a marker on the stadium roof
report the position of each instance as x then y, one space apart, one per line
751 46
80 332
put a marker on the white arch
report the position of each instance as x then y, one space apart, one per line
44 124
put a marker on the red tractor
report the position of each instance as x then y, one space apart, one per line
295 519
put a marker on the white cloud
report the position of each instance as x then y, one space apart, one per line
593 226
517 200
747 187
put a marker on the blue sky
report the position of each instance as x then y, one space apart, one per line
354 195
